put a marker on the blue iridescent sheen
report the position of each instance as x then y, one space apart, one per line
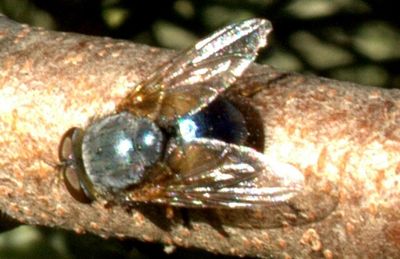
119 148
220 120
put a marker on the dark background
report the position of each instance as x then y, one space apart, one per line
352 40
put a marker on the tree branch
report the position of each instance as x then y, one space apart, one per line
345 138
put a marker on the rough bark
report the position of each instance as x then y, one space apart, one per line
344 137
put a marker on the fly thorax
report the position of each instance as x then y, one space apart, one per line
117 150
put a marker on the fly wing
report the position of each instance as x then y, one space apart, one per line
193 79
209 173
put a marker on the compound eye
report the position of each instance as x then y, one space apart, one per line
74 185
65 149
69 154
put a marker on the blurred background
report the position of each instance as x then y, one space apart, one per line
352 40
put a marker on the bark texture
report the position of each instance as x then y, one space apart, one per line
344 138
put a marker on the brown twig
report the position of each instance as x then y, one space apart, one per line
345 138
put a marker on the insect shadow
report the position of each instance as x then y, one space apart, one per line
175 140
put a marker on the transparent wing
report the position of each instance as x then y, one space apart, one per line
212 174
195 78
